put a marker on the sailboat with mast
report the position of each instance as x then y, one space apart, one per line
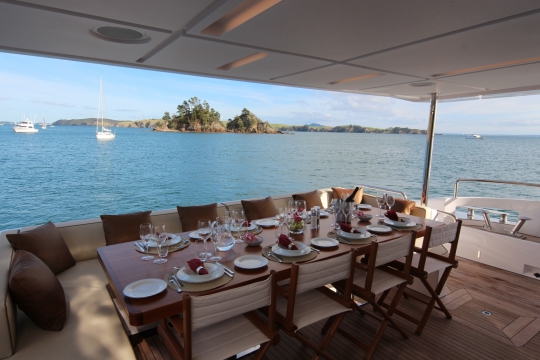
43 124
104 134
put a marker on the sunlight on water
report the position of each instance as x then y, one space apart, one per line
64 173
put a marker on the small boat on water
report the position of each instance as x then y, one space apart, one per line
104 134
25 126
44 124
474 137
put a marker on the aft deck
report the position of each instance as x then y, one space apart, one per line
510 332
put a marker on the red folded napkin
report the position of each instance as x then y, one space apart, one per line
247 223
286 242
392 215
250 237
197 266
349 229
297 218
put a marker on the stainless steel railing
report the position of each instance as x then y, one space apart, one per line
384 189
456 185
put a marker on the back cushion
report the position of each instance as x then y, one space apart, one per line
337 193
312 199
259 209
37 291
404 206
190 215
47 244
123 228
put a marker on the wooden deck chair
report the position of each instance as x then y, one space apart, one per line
223 324
375 278
307 300
425 262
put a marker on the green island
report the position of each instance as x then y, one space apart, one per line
194 115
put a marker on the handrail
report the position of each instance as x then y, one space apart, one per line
456 185
384 189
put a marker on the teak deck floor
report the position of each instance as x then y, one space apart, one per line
511 332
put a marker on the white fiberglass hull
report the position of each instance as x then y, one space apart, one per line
104 135
25 130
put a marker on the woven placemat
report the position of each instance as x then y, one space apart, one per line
289 260
153 250
368 240
256 231
223 280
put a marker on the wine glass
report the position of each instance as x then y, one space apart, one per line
160 236
381 200
146 232
217 232
390 201
301 208
347 210
336 210
205 230
281 215
238 218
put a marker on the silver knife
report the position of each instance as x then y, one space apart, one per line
176 281
178 290
140 246
229 270
313 249
275 256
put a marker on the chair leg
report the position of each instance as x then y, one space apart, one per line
383 297
259 355
327 325
387 318
434 299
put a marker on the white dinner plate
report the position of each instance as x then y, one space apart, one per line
403 222
190 276
324 213
381 229
250 262
303 249
144 288
251 226
173 241
363 206
356 236
194 234
267 222
324 242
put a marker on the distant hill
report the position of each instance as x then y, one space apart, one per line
145 123
315 124
347 129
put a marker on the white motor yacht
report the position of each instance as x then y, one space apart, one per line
474 137
26 127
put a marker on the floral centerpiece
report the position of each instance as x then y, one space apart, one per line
296 224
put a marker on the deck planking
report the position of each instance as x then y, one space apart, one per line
511 332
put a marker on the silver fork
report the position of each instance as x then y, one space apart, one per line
177 282
176 285
271 253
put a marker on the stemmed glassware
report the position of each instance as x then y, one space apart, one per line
336 210
390 201
281 215
205 230
217 232
381 200
146 232
239 219
160 236
347 210
300 206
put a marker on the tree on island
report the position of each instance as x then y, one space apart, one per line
193 115
247 122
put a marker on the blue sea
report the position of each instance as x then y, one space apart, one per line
64 173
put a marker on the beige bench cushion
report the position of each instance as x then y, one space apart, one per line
93 329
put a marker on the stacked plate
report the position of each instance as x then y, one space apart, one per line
190 276
171 240
403 222
303 249
354 236
267 222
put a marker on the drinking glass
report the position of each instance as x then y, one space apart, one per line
238 218
160 236
146 232
200 249
390 201
205 230
381 200
217 232
300 208
278 231
281 215
347 210
336 210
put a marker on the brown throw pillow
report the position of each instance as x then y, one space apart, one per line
311 198
37 291
47 244
123 228
337 193
190 215
403 206
259 209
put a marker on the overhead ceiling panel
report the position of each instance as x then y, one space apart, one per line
166 14
479 47
62 35
201 56
350 28
321 78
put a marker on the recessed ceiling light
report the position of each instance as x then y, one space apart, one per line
239 15
120 34
357 78
243 61
489 67
423 84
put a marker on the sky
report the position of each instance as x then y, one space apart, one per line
63 89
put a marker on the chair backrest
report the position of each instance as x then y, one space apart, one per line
211 309
394 249
319 273
439 235
442 234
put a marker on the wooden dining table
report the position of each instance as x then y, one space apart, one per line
123 265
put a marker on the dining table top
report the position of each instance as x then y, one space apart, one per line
123 265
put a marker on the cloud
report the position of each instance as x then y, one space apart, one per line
125 110
51 103
90 107
3 98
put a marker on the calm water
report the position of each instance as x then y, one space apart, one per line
64 173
